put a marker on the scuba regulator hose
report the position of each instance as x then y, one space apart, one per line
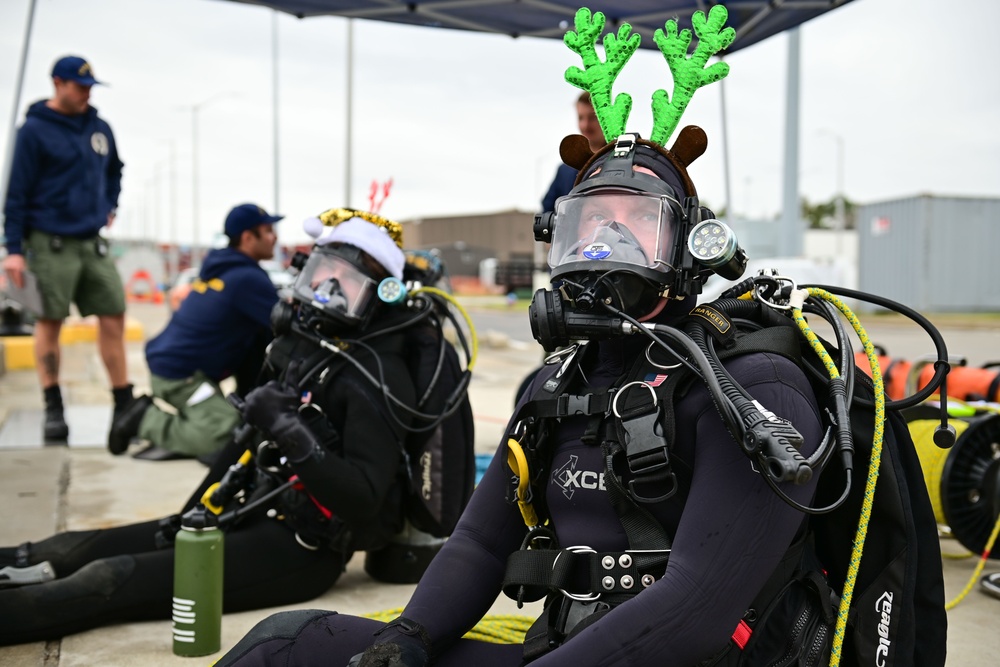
840 387
768 439
428 297
944 435
430 300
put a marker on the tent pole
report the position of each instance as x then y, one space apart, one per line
11 133
274 110
279 254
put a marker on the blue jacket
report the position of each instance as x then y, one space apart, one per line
561 185
227 312
65 176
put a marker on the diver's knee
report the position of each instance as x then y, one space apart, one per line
286 624
271 635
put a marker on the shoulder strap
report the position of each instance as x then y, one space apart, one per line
783 340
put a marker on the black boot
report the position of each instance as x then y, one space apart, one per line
123 398
125 424
54 429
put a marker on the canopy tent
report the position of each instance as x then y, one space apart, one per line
753 20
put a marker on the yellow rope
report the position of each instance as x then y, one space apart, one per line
815 343
876 457
496 629
979 567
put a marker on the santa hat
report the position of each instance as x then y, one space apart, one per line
364 235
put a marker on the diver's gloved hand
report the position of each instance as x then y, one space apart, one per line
274 409
401 643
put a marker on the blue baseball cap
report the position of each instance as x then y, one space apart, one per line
74 68
247 216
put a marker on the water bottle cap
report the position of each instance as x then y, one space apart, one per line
199 518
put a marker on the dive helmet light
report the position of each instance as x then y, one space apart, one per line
713 245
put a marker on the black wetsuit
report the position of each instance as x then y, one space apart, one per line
729 531
120 575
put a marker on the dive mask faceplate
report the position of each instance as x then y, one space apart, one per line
630 229
334 286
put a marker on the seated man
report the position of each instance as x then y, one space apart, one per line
323 480
220 330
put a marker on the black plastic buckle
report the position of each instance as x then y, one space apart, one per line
624 145
648 457
570 404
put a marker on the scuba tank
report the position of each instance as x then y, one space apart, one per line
197 602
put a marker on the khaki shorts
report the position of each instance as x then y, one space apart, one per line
74 273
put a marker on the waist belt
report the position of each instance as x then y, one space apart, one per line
581 573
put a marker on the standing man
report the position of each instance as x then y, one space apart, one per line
220 330
64 184
586 120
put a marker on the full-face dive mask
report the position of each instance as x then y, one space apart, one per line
621 241
335 291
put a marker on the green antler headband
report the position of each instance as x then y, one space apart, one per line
689 73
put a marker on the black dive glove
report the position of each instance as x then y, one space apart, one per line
401 643
274 409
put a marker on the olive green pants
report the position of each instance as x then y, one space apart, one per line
204 421
74 271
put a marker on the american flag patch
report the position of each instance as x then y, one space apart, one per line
655 379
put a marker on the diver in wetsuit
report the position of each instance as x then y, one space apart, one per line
332 429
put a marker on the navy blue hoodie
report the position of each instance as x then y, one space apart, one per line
65 176
226 312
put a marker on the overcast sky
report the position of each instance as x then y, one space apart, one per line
471 123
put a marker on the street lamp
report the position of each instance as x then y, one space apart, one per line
195 223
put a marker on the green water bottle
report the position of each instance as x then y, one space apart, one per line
197 611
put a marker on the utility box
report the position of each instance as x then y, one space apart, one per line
934 254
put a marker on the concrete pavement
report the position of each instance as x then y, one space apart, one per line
46 489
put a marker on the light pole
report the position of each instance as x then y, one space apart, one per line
840 212
12 132
174 263
195 222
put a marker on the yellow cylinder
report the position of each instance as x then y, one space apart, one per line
932 458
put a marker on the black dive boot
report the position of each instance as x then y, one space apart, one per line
93 596
125 423
55 430
63 549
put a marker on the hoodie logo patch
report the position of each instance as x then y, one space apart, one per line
99 143
200 286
